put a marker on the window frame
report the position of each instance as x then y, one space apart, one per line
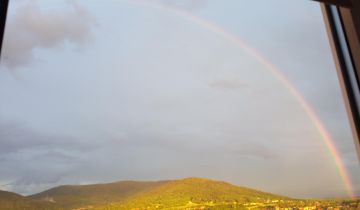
342 22
3 12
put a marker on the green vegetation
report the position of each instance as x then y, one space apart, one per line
12 201
190 193
73 196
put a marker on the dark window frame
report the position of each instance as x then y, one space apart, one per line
3 11
342 20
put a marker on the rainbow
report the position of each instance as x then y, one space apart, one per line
326 136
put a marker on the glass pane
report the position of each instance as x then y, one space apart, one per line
198 93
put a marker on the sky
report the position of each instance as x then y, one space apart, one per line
95 91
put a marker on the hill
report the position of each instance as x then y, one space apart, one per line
13 201
189 193
192 192
132 194
73 196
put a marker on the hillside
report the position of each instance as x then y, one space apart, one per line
189 193
131 194
72 196
195 191
12 201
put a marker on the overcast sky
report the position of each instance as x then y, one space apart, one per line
95 91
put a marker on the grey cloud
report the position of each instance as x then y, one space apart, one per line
34 181
34 160
255 150
184 4
29 28
16 137
227 84
37 178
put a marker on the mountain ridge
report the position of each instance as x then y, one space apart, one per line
69 196
187 193
133 194
13 201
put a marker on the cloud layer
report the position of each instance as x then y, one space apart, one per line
30 27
